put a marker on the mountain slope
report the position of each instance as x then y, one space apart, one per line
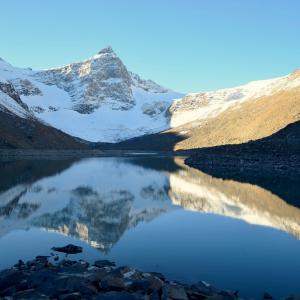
23 133
20 129
250 120
97 99
10 100
230 116
204 105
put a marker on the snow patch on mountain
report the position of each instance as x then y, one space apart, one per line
203 105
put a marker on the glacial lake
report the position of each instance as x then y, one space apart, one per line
156 214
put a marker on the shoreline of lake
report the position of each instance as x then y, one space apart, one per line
47 277
20 154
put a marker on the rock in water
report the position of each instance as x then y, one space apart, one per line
69 249
104 263
267 296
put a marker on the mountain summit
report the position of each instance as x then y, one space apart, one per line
101 80
107 49
97 99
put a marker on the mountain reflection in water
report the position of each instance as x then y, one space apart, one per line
98 200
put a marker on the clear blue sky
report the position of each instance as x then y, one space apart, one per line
187 45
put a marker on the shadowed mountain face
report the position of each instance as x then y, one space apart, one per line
165 141
20 129
22 133
99 199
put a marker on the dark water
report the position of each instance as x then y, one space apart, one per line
155 214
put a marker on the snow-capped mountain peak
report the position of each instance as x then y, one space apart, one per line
107 50
101 80
96 99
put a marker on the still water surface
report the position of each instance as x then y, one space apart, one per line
155 214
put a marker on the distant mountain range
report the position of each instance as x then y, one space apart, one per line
99 100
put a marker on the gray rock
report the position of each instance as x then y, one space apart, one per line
158 275
267 296
154 296
120 271
73 269
174 292
227 295
43 258
112 283
104 263
67 284
10 90
96 276
140 285
39 277
69 249
202 289
87 289
30 294
26 87
294 297
70 296
147 284
116 296
20 265
10 278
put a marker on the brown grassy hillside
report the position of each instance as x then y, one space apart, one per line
251 120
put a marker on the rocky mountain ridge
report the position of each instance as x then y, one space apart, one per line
99 100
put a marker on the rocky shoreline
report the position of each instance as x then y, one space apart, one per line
48 277
264 163
43 278
279 153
